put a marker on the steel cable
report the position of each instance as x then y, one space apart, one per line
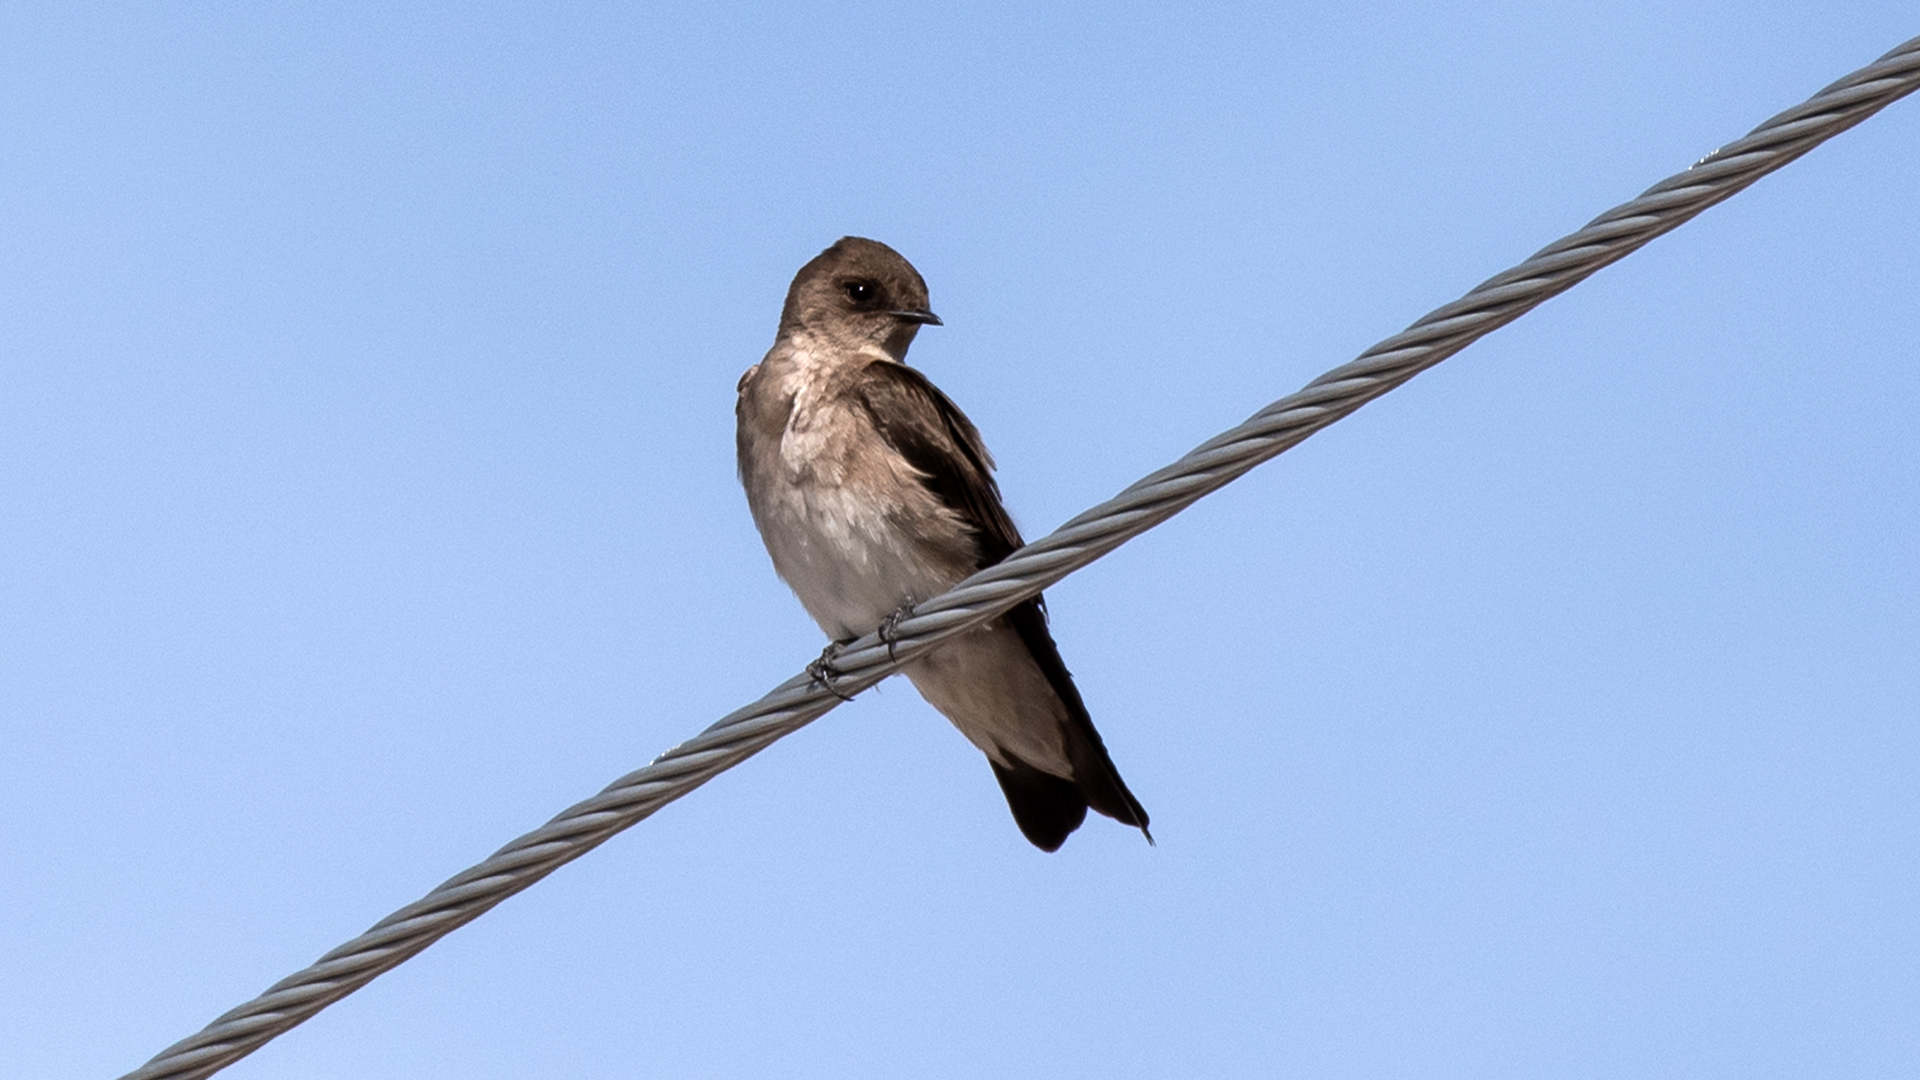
1214 463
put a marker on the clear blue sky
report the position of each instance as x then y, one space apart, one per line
367 496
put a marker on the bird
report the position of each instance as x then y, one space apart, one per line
874 492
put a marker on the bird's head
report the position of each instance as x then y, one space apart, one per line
859 293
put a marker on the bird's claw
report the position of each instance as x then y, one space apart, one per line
890 629
821 670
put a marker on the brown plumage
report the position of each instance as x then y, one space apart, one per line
874 492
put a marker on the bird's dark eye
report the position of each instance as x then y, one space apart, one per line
860 292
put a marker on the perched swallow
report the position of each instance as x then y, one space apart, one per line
873 492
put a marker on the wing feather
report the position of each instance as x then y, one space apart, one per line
938 440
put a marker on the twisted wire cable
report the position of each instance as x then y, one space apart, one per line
1214 463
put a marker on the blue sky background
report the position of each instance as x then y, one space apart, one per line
367 496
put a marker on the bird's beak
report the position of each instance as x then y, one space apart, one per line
918 315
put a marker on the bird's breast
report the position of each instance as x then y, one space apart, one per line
847 522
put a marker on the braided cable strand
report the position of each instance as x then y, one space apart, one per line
1216 462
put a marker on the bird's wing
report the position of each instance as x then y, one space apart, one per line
938 440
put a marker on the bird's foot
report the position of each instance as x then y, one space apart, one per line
890 629
822 670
